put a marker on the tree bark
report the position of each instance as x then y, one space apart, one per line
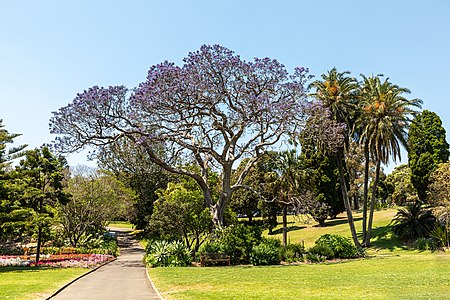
351 223
284 225
355 202
366 193
372 204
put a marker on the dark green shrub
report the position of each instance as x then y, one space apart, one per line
423 244
340 246
321 250
237 241
413 221
266 253
293 252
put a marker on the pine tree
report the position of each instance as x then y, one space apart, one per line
427 149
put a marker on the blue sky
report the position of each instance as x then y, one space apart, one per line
51 50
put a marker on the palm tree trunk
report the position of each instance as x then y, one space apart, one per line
366 192
372 203
348 208
284 225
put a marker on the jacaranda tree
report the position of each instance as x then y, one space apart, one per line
214 110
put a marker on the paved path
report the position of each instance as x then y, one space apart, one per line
122 279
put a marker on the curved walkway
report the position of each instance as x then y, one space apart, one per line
124 278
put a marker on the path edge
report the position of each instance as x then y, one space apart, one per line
153 285
79 277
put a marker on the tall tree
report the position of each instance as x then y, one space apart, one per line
288 184
130 164
7 155
94 201
214 110
324 174
427 149
41 178
383 124
337 93
13 217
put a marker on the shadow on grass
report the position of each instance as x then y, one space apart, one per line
290 228
384 238
339 221
22 269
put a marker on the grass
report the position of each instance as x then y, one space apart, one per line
121 224
396 277
392 271
306 230
34 283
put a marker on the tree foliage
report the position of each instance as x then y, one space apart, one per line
214 110
94 201
130 164
40 181
399 187
439 194
427 149
180 213
324 175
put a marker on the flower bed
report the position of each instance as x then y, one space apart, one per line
58 260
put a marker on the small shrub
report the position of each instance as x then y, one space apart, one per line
165 254
424 244
266 253
315 258
441 235
237 241
340 246
321 250
413 221
293 252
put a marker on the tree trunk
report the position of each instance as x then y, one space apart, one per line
217 215
366 193
372 203
284 225
355 202
351 223
38 248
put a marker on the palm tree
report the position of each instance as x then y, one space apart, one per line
383 126
337 92
288 182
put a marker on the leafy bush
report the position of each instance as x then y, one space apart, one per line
236 240
413 221
266 253
425 244
165 254
441 235
340 247
320 250
315 258
293 252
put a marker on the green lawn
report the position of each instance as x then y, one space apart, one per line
121 224
34 283
392 271
304 229
420 276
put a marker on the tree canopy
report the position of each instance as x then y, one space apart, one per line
213 110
